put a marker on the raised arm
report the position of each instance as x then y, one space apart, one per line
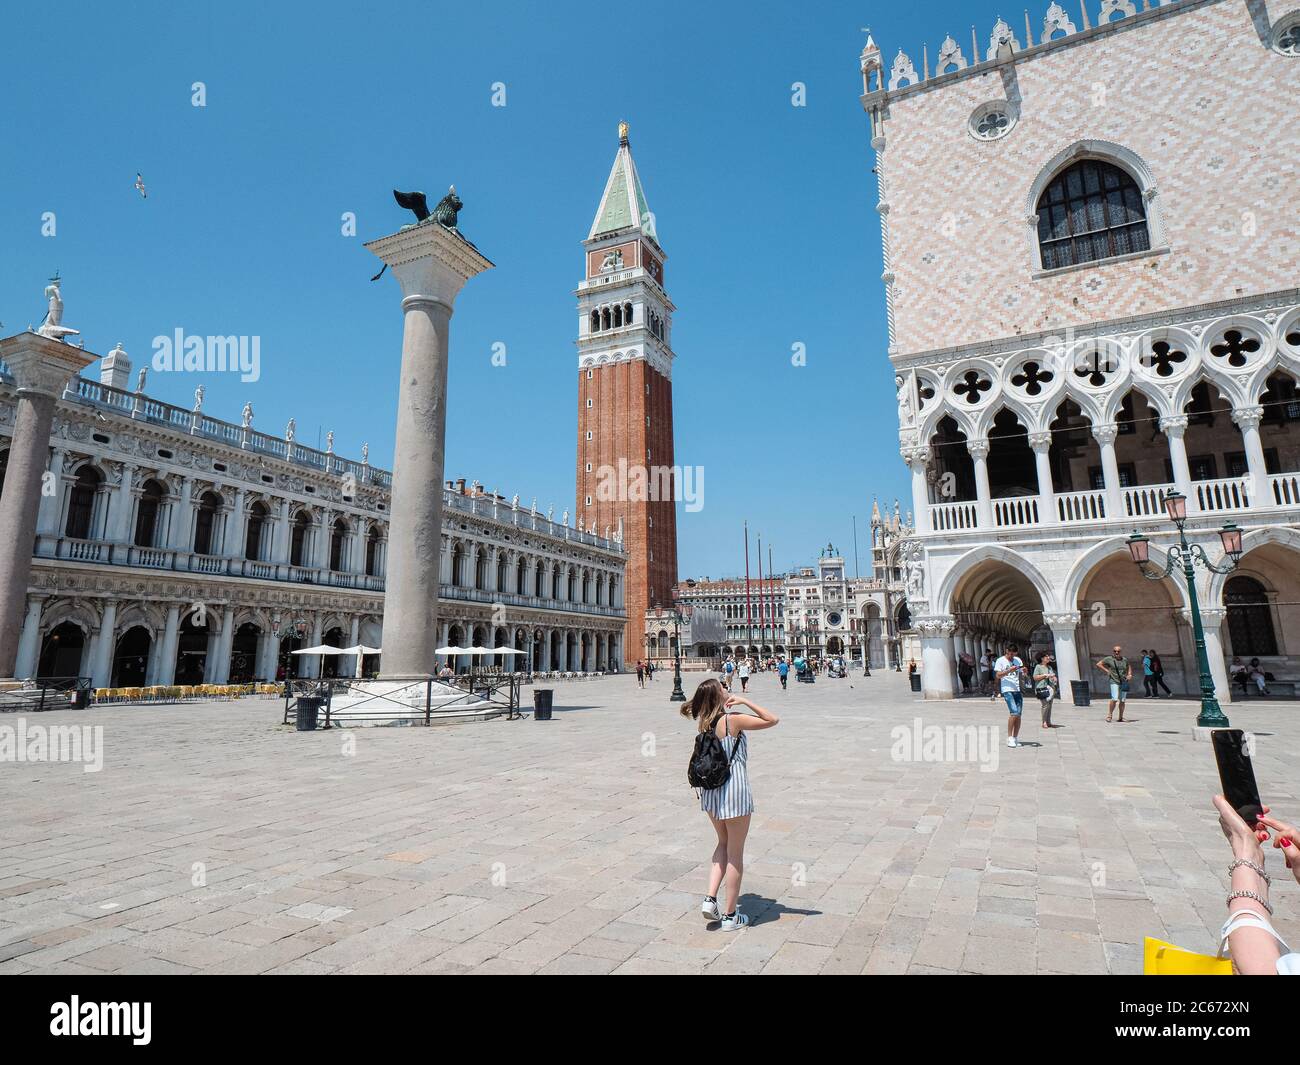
759 719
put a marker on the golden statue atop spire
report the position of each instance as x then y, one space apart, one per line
622 133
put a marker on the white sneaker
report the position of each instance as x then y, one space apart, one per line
711 910
1011 742
736 920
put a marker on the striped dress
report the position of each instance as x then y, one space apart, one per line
734 798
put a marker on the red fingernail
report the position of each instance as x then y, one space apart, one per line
1286 841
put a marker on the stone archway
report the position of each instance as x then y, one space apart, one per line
130 666
1118 607
62 651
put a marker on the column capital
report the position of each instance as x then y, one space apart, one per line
1211 616
1040 442
935 625
1174 424
40 365
1064 622
1105 434
915 456
978 448
1248 417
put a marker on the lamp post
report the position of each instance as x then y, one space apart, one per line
866 646
1175 504
297 630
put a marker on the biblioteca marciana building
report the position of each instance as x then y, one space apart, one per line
173 547
1091 254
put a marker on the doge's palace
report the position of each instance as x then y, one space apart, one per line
1091 258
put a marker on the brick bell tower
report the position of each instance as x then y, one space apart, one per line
625 394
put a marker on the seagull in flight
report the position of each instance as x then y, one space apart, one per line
139 184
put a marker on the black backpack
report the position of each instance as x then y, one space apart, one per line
709 766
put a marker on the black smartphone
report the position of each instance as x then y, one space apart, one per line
1236 774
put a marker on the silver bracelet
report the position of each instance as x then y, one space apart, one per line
1251 865
1251 895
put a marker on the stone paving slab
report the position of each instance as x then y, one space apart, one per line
217 840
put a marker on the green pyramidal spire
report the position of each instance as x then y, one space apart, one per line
624 205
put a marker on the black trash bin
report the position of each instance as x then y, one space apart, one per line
542 703
80 699
308 707
1081 692
915 678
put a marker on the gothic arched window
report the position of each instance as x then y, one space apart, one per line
1091 211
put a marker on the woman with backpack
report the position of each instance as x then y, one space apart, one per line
719 768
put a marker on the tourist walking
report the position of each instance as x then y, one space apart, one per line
783 672
1158 674
1148 675
1119 671
987 687
728 671
730 805
640 674
1045 685
1007 671
744 675
649 669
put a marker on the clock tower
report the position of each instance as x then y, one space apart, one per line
626 470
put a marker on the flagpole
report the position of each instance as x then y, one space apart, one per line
749 614
761 619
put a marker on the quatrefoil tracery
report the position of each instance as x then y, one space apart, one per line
1163 358
1236 348
971 385
1095 367
1032 377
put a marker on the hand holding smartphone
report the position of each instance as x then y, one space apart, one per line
1237 774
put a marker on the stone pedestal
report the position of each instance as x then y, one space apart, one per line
431 264
41 367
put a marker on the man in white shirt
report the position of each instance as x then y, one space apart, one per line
1007 671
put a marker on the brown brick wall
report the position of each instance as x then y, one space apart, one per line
617 421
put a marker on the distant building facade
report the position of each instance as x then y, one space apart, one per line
174 547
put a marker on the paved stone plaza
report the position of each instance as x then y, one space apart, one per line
575 846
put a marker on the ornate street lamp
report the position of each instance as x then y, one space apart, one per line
866 646
1139 547
296 629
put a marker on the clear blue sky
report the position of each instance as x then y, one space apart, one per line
765 210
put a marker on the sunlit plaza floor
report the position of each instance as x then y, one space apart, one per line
215 839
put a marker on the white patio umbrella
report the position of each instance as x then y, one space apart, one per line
359 650
321 649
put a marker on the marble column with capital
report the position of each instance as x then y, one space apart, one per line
937 666
431 264
41 368
1105 436
1247 420
1212 618
1064 626
1174 428
979 453
918 460
1042 447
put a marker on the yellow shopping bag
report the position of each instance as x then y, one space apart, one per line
1164 959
